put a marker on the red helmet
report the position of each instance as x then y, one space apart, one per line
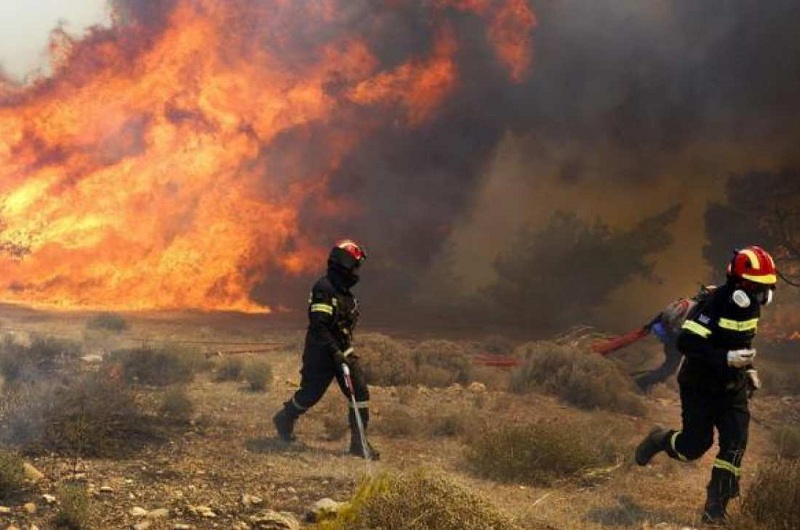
347 254
754 264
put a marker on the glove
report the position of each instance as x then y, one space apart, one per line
341 357
753 381
741 358
660 331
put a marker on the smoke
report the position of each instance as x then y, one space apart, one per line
626 109
632 107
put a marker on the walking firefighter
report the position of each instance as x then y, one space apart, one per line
328 353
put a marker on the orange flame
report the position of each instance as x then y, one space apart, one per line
141 174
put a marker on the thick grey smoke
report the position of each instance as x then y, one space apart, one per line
648 104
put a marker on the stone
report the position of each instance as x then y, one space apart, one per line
324 509
158 513
272 520
144 525
29 507
138 511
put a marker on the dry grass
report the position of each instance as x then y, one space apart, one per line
584 380
176 406
542 453
88 416
386 362
158 366
779 378
771 502
74 506
440 363
229 369
41 358
417 501
432 363
108 321
787 441
12 473
258 374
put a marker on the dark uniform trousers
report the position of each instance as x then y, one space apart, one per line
318 371
333 313
702 412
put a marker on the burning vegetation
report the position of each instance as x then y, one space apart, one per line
192 154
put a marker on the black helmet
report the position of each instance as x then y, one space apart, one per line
346 255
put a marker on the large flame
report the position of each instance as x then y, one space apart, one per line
166 168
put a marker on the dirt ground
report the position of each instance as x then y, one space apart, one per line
229 463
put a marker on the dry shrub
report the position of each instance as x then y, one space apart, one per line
21 362
440 363
787 440
779 379
398 422
176 406
158 366
386 362
258 374
771 502
74 505
497 345
417 501
334 419
406 394
12 473
448 423
585 380
109 321
544 452
229 369
88 416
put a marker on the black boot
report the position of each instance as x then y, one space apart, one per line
653 443
284 424
356 447
714 511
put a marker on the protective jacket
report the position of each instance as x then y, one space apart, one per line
332 317
726 320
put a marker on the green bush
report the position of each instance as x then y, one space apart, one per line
258 374
12 473
541 453
771 502
585 380
109 321
74 505
176 405
417 501
161 366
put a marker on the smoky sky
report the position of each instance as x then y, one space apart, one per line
633 87
624 92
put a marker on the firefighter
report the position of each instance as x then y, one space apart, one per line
717 378
332 316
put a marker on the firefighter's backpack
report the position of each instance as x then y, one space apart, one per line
674 315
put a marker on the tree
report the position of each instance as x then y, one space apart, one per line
762 208
559 275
